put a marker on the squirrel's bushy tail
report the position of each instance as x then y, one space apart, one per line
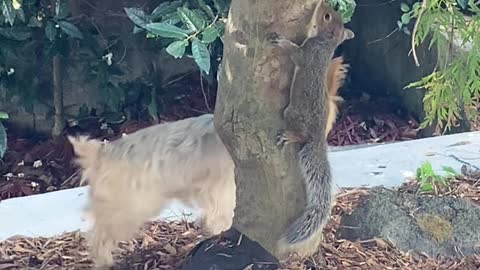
305 234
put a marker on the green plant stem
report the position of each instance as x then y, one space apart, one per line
414 32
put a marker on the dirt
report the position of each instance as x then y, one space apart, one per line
161 245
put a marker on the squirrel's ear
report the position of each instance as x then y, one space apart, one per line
348 34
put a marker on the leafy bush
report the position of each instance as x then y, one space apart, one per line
454 85
346 8
193 29
19 22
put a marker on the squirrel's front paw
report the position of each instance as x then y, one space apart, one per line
282 138
274 38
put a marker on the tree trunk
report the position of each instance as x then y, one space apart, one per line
253 91
57 96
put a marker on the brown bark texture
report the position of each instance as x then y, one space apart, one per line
253 92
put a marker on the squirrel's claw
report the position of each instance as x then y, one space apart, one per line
274 38
281 138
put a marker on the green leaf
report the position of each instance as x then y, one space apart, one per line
190 18
220 26
206 8
201 55
427 187
171 18
61 11
3 140
165 8
449 170
50 31
404 7
405 18
177 48
137 16
20 14
209 35
16 33
137 29
416 6
167 30
70 29
463 3
4 115
8 12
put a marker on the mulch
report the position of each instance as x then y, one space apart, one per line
162 245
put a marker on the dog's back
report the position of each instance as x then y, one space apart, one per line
133 178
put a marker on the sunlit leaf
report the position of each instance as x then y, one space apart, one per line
167 30
191 19
137 16
209 35
201 55
177 48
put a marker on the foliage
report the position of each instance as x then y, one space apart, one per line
3 134
20 22
428 179
455 83
192 28
346 8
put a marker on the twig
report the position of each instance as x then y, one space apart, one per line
205 99
414 33
380 39
464 162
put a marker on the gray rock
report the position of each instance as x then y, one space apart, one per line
438 226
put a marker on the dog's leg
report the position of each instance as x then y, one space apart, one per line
218 204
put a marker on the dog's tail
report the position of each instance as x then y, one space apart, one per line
86 150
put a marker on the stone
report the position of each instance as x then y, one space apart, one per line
437 226
232 251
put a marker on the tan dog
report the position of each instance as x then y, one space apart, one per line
133 178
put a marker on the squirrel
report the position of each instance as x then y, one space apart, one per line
305 115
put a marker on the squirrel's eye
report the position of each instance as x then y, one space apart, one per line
327 17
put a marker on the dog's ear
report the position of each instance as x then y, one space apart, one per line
86 150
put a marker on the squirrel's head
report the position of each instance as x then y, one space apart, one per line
326 20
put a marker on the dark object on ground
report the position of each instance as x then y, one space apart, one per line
438 226
233 251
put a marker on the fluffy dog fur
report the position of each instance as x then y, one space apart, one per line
133 178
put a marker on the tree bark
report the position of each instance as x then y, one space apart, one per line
253 91
57 96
